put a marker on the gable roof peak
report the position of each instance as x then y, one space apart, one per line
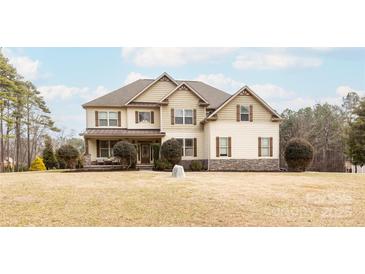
188 87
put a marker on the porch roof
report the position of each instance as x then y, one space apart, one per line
122 132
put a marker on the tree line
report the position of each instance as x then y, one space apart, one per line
24 119
337 133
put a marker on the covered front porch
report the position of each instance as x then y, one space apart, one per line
99 145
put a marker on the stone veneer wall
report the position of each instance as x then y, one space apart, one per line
186 164
244 164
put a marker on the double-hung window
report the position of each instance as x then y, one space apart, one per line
103 119
187 146
108 119
113 119
184 116
244 113
265 147
223 146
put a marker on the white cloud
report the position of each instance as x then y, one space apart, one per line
274 61
220 81
271 91
63 92
344 90
172 57
133 76
24 65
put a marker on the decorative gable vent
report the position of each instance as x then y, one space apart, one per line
165 79
183 87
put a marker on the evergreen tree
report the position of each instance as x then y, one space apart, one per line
356 136
49 157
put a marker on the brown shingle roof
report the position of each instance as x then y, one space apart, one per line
122 132
120 97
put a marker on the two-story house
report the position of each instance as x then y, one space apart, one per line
226 132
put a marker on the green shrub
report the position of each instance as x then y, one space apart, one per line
162 164
156 151
37 165
196 165
298 154
67 156
49 157
126 152
171 151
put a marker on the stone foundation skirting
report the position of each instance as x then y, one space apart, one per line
186 164
244 165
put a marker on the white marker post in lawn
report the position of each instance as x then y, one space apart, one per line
178 171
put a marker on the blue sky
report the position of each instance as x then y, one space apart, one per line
284 77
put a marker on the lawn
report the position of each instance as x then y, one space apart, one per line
147 198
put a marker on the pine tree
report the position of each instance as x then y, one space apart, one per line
356 136
49 157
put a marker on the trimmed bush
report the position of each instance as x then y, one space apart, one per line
126 152
196 165
67 156
162 165
37 165
298 154
49 157
171 151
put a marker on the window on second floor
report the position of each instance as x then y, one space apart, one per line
244 113
144 117
184 116
103 119
108 119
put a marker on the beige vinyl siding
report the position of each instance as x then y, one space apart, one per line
228 112
182 99
187 134
131 118
92 149
156 92
244 137
90 116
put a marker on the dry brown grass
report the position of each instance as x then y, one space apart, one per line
201 199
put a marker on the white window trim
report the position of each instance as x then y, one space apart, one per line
183 110
184 146
265 156
220 146
108 119
248 113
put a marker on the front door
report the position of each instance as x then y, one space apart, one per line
145 153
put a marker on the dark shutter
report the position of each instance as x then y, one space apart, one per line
238 112
172 116
251 113
97 148
152 117
229 146
270 146
194 116
119 119
96 118
259 147
195 148
136 116
217 146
